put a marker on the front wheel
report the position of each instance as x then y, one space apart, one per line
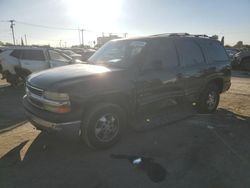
209 99
102 125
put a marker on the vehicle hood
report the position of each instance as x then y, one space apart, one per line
71 75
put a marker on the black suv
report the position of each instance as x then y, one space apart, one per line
125 77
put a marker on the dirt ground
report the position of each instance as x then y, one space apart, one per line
208 151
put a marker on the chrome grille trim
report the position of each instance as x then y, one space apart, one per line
34 90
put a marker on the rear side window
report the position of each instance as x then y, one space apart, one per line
16 53
163 51
189 52
36 55
215 51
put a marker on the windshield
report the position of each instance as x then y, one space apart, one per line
117 53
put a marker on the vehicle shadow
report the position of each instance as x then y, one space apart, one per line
53 161
11 110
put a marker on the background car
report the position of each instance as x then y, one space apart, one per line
18 62
231 52
241 60
72 54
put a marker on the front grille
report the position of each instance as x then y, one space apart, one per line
35 90
36 103
34 94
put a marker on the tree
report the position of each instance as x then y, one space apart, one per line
1 43
239 44
8 44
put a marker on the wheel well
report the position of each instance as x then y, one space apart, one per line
21 71
120 100
218 82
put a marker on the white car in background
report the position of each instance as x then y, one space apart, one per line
72 54
16 63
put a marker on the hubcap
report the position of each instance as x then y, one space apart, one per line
211 100
107 127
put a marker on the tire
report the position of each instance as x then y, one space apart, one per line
209 99
102 125
12 79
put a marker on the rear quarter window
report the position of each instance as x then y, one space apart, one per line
215 51
36 55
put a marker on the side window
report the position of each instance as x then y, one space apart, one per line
215 50
161 51
16 53
189 52
35 55
55 56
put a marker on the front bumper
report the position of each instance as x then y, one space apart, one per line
69 128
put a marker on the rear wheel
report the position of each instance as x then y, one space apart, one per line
102 125
209 99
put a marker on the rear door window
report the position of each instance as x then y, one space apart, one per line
161 50
215 50
35 55
189 52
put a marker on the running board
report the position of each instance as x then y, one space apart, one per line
164 118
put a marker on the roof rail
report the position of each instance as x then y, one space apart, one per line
183 35
179 34
171 34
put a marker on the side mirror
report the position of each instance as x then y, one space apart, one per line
157 65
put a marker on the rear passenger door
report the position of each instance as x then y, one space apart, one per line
33 60
193 65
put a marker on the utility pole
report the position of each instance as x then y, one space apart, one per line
82 38
12 29
25 38
79 35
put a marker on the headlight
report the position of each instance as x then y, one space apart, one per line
56 96
56 102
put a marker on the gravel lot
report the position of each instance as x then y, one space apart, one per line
209 151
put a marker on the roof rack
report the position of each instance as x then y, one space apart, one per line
171 34
182 35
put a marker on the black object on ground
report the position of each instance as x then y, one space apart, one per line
155 171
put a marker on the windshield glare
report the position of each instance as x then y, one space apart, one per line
117 53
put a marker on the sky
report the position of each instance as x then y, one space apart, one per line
227 18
